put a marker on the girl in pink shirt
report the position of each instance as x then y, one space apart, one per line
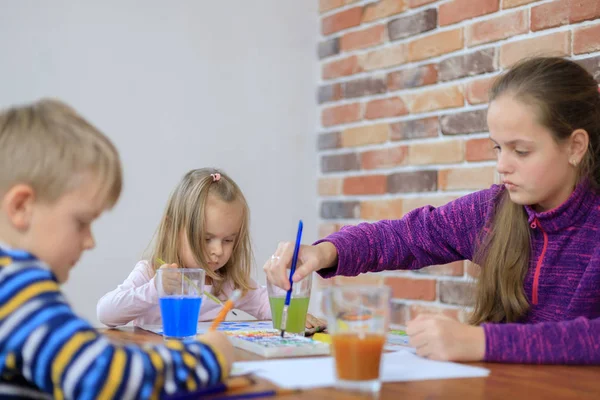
205 225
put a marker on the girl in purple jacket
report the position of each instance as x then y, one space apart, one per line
536 236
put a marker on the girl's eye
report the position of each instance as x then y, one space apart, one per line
496 148
521 153
228 240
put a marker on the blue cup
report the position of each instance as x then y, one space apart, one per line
180 297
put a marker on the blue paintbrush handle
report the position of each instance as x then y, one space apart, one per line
288 296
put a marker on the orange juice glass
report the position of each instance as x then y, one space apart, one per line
358 319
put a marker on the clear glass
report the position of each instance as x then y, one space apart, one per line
180 297
296 319
358 321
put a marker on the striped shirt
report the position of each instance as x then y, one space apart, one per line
46 351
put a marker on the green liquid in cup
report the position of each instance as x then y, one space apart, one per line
296 313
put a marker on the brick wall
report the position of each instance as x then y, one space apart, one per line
402 99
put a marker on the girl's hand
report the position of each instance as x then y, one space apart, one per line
310 259
171 280
442 338
314 322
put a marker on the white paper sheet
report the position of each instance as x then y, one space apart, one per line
400 366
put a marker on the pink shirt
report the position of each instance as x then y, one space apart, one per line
136 299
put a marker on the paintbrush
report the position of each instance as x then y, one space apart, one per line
288 296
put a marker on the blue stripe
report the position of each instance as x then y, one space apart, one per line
17 254
18 336
181 371
149 376
58 337
92 379
28 276
211 363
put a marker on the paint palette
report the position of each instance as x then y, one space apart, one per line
268 343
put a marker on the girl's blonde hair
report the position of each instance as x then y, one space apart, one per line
566 98
185 213
46 145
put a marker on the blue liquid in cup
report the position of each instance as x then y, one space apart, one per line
180 315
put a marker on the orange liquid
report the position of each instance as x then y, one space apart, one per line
357 358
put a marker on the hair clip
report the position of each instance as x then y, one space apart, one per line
216 177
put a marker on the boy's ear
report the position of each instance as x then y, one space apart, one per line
18 203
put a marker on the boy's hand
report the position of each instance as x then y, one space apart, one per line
171 280
219 341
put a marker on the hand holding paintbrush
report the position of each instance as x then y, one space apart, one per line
288 296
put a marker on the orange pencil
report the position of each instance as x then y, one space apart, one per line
226 308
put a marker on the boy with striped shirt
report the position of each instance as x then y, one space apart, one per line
57 175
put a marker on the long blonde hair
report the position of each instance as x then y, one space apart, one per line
185 213
566 98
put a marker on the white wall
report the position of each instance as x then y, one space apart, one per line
176 85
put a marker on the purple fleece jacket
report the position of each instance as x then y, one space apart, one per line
563 324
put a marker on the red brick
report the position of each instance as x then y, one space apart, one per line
376 210
367 134
435 99
555 44
583 10
384 158
472 269
412 77
466 178
340 162
550 15
515 3
493 29
383 8
413 181
458 293
330 186
586 39
326 5
372 84
469 64
411 203
327 229
341 114
415 129
416 309
435 44
455 268
346 66
329 140
477 91
419 3
413 289
383 108
327 93
366 184
399 314
340 209
362 39
410 25
446 152
458 10
342 20
479 150
384 58
458 123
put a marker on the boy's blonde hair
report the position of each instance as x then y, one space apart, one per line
185 213
47 145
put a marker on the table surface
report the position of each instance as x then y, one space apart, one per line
506 381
